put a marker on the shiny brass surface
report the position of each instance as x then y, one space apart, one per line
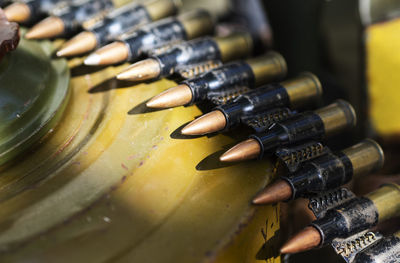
386 200
366 157
248 149
337 116
158 9
142 70
268 67
81 43
238 45
208 123
17 12
197 23
113 53
119 3
306 239
173 97
50 27
303 90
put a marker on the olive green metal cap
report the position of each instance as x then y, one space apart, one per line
34 92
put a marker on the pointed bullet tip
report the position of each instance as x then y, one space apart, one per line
121 76
17 12
211 122
50 27
82 43
173 97
60 53
306 239
249 149
276 192
187 131
223 158
113 53
142 70
92 60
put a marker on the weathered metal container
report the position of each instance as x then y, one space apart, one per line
111 181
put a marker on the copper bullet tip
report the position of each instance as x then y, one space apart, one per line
80 44
17 12
277 192
306 239
48 28
173 97
249 149
211 122
113 53
142 70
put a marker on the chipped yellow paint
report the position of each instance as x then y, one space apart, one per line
112 183
383 78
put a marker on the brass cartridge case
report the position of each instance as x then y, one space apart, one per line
197 23
303 89
365 157
268 67
158 9
387 201
337 116
235 46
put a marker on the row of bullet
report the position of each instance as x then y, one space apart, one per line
245 92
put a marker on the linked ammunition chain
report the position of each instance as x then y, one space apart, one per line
227 96
321 203
260 122
349 247
65 6
163 48
191 71
95 20
60 8
292 157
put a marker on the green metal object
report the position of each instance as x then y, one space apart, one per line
33 95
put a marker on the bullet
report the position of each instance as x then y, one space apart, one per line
292 157
227 81
386 249
353 216
117 22
301 91
29 11
47 28
276 192
170 96
82 43
71 20
18 12
305 240
324 173
164 32
301 127
191 54
202 125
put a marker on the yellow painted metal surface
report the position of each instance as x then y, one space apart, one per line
113 183
383 78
